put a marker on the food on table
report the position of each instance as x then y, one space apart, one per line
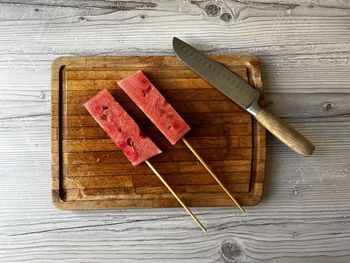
140 89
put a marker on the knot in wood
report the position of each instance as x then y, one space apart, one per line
327 106
212 10
232 252
226 17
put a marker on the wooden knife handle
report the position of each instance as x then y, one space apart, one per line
285 133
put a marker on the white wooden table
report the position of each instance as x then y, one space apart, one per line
304 49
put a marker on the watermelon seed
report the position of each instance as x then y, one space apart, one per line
130 142
145 91
104 116
119 130
105 107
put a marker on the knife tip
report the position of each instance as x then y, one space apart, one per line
176 42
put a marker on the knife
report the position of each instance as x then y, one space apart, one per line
241 93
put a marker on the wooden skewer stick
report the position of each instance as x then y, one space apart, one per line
176 196
211 173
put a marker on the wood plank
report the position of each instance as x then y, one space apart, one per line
189 107
189 190
173 95
192 179
73 182
87 194
202 142
153 74
83 133
173 155
208 118
165 167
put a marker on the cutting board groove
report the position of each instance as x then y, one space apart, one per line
89 172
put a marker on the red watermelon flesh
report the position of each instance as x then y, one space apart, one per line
122 129
146 96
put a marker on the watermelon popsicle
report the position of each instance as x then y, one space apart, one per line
146 96
127 136
122 129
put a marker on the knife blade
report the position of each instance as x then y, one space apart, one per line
241 93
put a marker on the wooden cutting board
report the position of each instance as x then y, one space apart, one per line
89 172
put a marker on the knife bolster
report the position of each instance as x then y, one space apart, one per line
254 108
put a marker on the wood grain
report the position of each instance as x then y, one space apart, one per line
83 158
303 48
